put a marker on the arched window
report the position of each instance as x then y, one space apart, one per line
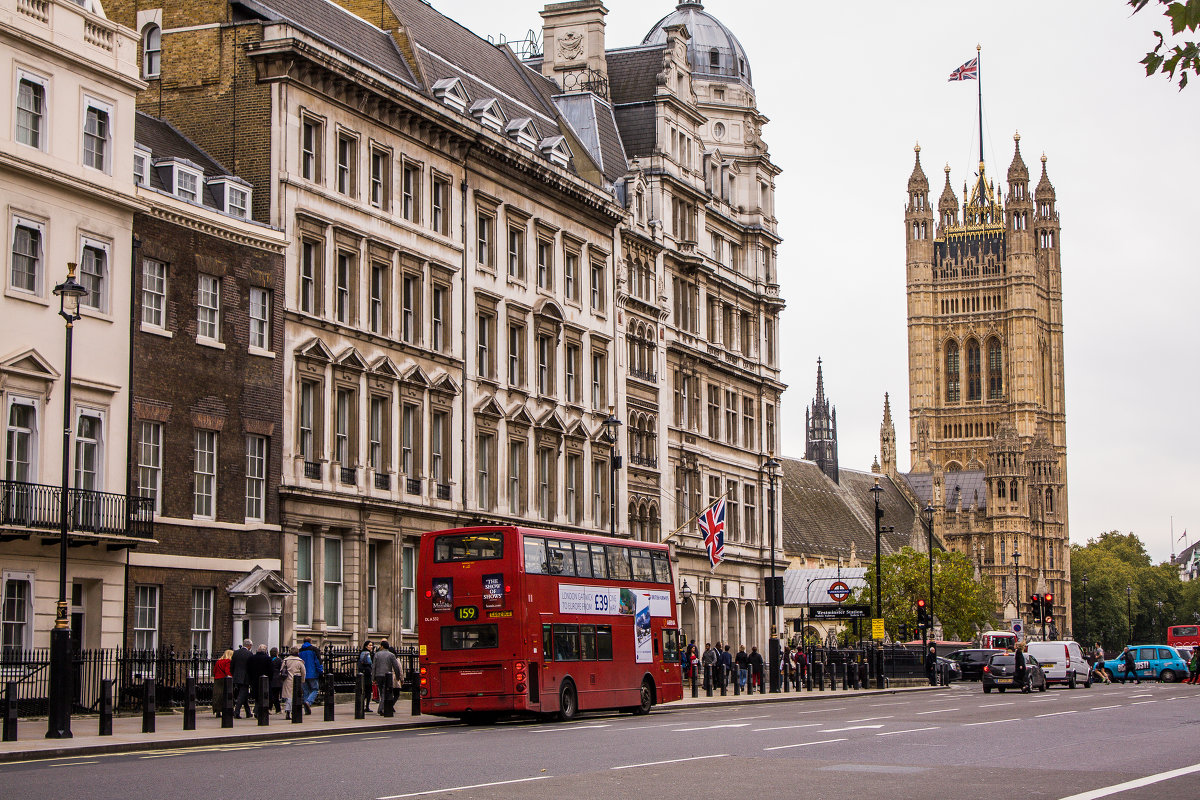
1000 489
151 50
973 382
995 370
1050 500
1012 491
952 385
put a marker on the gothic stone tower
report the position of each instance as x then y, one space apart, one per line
820 431
986 395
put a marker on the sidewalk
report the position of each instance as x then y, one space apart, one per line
127 733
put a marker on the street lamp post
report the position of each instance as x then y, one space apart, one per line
69 292
614 463
775 597
927 518
1085 608
1017 582
877 490
1129 609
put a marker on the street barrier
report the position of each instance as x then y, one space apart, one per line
148 706
10 711
329 697
189 705
263 709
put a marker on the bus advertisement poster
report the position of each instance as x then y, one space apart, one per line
641 629
493 591
609 601
443 593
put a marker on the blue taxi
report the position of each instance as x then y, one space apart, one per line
1151 662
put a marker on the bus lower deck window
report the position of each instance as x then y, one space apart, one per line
470 637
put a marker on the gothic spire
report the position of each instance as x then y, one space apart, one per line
820 434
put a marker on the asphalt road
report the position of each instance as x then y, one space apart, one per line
956 743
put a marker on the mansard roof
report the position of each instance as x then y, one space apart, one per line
632 84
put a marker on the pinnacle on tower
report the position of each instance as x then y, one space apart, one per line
1017 171
917 182
1045 189
820 445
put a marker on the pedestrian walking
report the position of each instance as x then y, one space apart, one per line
1194 666
727 666
709 661
292 667
241 686
221 671
756 667
384 664
931 664
1130 667
365 657
259 666
743 665
313 670
1021 671
276 679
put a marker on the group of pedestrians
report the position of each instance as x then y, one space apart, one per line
248 664
721 665
380 666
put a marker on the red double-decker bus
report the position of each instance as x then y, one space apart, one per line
517 621
1183 636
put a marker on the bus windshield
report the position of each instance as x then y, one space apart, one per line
468 547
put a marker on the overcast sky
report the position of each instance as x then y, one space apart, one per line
849 89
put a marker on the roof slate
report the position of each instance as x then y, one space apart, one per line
969 484
633 74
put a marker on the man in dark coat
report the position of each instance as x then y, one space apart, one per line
756 667
1130 667
259 666
743 663
385 665
931 664
241 686
1019 667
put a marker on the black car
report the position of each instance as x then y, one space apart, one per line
1001 673
972 661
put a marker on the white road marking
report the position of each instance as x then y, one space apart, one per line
910 730
75 764
1134 784
867 719
822 710
461 788
656 763
573 728
849 728
990 722
881 705
1143 702
803 744
376 737
711 727
936 711
1056 713
739 719
646 727
433 733
993 705
784 727
1044 700
1140 695
1101 708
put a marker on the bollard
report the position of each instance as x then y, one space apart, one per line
750 680
831 669
708 680
189 704
846 675
386 696
227 703
723 677
414 686
360 691
329 697
148 705
862 675
10 711
297 700
263 709
694 681
737 683
818 675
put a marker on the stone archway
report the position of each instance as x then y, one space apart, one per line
687 620
731 626
257 600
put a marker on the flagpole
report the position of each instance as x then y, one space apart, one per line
694 517
979 96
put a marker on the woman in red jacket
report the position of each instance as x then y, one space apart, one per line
221 670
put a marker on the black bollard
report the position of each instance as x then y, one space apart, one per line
189 704
737 683
387 697
106 707
708 680
10 711
818 674
360 691
148 705
723 677
263 709
227 703
414 687
329 697
862 675
297 700
846 675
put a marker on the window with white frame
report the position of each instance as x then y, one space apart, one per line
377 433
154 293
93 274
332 586
599 389
571 275
311 267
208 307
516 252
89 450
304 577
145 618
151 51
97 134
187 184
343 440
306 411
204 470
17 623
381 178
260 318
21 441
378 297
408 590
347 157
516 354
372 586
516 477
439 429
545 264
31 110
574 479
237 201
597 287
342 292
440 308
409 436
545 486
484 454
485 238
599 508
150 462
440 205
141 159
573 369
28 239
409 297
410 185
256 477
312 132
202 619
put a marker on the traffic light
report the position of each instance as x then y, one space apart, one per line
922 614
1035 606
1048 606
904 631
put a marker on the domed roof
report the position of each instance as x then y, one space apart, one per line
713 50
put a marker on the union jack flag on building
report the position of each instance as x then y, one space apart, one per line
712 525
967 72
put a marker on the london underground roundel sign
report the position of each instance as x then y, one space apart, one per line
839 591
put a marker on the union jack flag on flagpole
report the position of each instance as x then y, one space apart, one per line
967 72
712 525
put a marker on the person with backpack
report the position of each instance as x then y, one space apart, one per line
365 657
313 670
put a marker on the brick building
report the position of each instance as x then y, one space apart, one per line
207 399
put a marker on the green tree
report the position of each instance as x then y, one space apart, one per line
962 605
1181 56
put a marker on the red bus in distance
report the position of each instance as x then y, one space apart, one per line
519 621
1183 636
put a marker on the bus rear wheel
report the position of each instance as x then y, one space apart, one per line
647 700
568 702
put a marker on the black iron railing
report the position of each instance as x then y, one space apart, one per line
383 480
643 460
348 475
312 470
341 661
644 374
443 491
412 485
38 507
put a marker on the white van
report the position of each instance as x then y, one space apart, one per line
1063 662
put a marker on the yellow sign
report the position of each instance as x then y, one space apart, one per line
877 631
422 650
495 614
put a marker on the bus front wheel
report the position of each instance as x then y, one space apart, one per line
568 702
647 700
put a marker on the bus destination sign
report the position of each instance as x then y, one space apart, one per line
466 613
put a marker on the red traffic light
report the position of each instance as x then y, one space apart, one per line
1049 598
920 604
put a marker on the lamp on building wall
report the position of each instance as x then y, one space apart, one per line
775 597
614 463
70 292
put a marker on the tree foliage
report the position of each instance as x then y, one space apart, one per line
1175 57
960 604
1124 590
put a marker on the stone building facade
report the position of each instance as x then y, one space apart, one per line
986 381
67 197
207 400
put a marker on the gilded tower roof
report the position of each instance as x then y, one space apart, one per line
949 200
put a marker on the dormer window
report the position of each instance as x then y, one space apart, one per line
524 132
451 92
231 195
187 184
714 58
555 148
489 113
141 167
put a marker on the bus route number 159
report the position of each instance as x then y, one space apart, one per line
466 613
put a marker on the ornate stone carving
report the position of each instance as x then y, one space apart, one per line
570 46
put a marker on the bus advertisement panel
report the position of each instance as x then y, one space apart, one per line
554 623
